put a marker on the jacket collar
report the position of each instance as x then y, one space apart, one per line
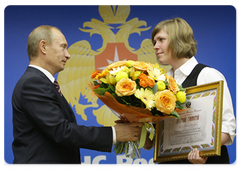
45 72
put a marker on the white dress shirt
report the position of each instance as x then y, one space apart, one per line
51 78
208 75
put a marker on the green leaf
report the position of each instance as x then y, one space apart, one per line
143 136
104 80
181 88
155 88
175 114
127 103
100 91
95 83
179 105
112 88
166 83
116 97
126 148
152 132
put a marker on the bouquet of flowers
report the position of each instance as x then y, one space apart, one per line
138 91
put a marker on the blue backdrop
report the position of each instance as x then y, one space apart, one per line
214 29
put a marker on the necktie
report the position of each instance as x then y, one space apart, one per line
57 87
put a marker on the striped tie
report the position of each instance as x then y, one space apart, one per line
58 87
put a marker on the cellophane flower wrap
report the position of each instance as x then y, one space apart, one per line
138 92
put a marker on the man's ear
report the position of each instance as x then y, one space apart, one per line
43 46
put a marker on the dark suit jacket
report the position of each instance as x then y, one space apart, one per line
44 125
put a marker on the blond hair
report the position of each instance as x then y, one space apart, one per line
181 40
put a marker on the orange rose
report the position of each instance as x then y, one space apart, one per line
125 87
165 101
139 65
145 80
172 84
102 74
94 74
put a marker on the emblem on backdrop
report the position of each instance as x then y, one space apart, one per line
74 79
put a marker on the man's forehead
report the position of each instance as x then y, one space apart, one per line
58 36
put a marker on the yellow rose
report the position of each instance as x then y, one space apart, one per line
181 96
125 87
139 65
165 101
116 65
129 63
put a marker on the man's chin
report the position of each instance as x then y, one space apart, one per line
61 69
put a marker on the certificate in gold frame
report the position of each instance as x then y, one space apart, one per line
198 127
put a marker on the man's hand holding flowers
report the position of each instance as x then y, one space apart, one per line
133 130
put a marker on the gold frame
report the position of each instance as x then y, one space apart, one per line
204 152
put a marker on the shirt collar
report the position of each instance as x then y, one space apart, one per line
187 67
47 73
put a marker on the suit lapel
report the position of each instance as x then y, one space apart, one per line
65 107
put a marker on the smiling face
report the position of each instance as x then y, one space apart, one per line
161 43
56 53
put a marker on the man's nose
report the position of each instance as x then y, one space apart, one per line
67 55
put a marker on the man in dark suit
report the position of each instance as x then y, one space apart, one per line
44 125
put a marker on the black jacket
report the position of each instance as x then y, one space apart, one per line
44 125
